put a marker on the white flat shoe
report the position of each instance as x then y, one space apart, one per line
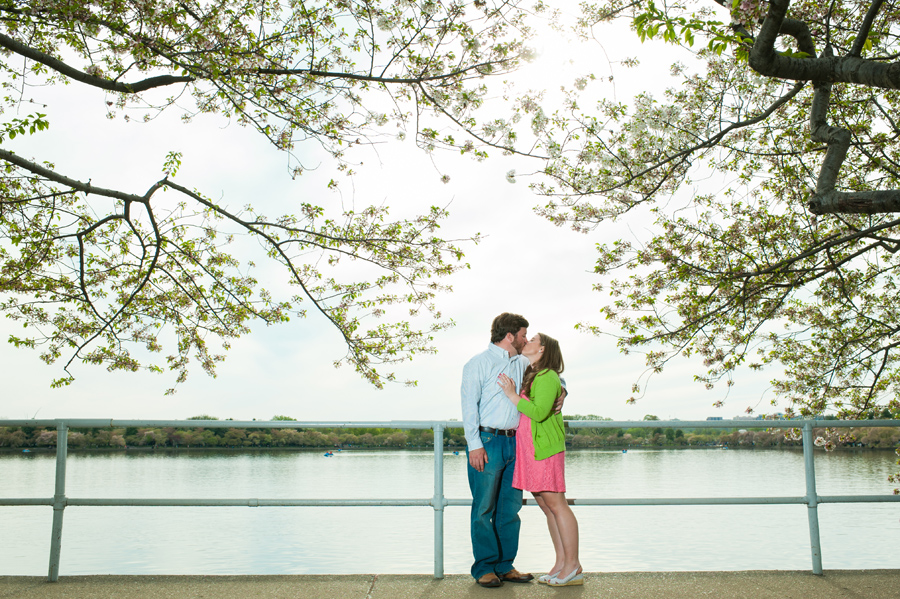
576 578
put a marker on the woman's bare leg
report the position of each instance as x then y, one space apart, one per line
567 527
554 534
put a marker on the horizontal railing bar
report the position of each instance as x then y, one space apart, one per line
110 502
25 501
739 424
858 498
112 423
689 501
612 501
252 502
423 424
639 501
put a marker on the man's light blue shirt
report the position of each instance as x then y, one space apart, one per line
483 401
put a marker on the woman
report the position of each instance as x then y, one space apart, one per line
540 453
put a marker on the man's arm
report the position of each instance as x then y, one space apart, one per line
470 394
558 404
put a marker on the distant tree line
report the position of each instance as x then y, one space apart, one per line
754 435
881 438
170 437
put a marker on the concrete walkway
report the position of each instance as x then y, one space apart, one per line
834 584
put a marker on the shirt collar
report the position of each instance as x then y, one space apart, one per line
499 351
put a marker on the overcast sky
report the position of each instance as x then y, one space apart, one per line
287 369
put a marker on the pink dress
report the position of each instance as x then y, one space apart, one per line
530 474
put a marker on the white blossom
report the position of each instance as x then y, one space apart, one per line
430 8
539 122
528 54
385 22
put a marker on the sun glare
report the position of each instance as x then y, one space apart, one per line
557 60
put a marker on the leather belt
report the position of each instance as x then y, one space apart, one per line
509 432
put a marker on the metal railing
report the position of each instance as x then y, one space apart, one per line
438 502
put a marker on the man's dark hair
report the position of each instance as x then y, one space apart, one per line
506 323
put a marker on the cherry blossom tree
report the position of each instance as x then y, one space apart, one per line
769 175
149 278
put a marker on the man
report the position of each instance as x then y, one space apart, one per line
490 422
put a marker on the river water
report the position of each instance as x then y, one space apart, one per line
348 540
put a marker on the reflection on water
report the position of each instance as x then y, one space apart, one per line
240 540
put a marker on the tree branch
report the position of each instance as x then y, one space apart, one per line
826 199
865 28
73 73
381 79
50 175
849 69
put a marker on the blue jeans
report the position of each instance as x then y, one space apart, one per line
495 508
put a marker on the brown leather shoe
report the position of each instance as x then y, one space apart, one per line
490 581
516 576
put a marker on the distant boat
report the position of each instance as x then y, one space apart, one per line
455 453
26 451
328 454
624 451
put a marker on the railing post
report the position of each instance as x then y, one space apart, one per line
438 500
812 498
59 499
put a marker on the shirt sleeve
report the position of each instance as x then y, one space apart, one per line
544 391
470 392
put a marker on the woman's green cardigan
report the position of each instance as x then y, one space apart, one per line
547 428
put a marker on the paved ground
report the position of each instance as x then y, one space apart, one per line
835 584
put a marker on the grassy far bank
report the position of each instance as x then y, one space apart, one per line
169 437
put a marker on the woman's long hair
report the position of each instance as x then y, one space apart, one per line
550 358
